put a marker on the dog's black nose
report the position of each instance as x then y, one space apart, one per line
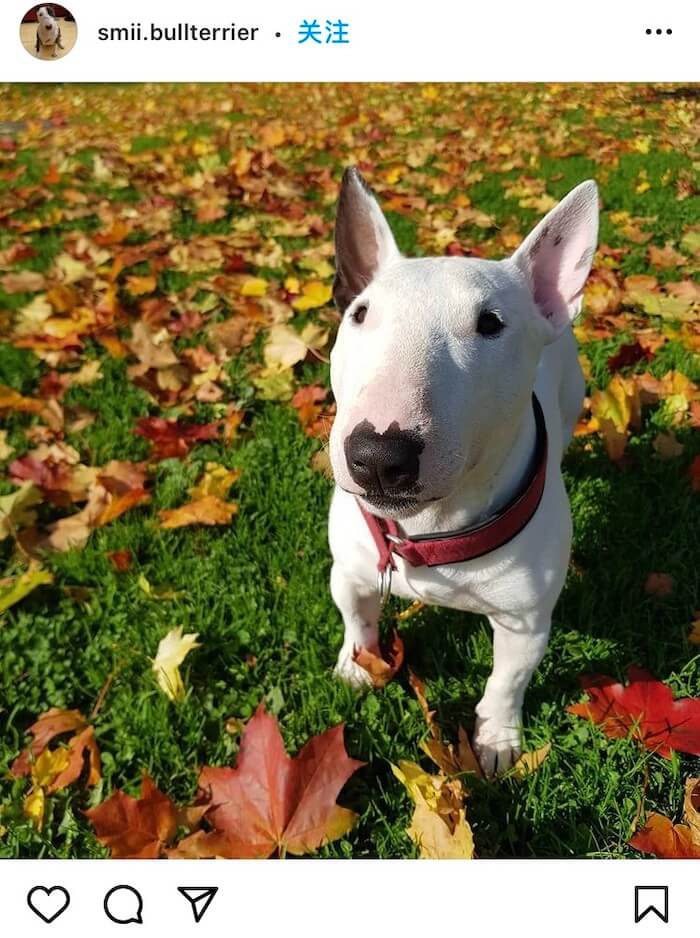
383 462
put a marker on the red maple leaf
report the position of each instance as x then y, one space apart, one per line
628 355
171 438
645 709
270 802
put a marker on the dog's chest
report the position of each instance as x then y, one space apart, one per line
473 587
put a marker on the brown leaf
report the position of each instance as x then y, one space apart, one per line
135 828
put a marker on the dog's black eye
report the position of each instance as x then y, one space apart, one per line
359 313
489 323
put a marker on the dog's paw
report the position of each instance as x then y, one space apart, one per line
349 672
496 743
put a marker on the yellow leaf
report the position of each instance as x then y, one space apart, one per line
529 762
254 286
5 449
139 286
432 834
418 783
172 651
16 509
48 765
69 270
13 589
313 295
217 480
33 807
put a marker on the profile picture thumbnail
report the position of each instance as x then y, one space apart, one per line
48 31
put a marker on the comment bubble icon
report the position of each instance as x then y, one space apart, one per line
124 905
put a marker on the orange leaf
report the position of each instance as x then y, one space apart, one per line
80 746
665 840
50 724
206 510
381 668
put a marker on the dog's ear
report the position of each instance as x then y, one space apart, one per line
363 239
50 11
556 256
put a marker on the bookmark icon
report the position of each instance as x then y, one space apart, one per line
199 897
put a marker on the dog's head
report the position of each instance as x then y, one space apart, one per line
435 356
45 15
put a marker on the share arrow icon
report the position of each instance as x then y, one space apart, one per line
199 897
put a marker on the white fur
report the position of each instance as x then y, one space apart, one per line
417 360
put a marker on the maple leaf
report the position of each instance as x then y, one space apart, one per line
272 803
173 439
628 355
644 710
172 651
135 828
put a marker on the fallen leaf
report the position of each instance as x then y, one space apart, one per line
172 651
271 803
644 710
135 828
207 510
381 668
434 838
173 439
529 762
216 480
14 589
665 840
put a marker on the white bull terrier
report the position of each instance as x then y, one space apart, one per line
48 32
458 386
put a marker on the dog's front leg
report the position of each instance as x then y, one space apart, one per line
359 606
518 647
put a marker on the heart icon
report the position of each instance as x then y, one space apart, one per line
48 902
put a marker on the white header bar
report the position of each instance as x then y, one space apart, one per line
386 41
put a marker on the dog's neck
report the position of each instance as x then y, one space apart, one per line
488 486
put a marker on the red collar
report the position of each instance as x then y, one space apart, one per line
433 550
